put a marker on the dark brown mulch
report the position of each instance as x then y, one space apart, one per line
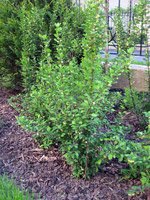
45 172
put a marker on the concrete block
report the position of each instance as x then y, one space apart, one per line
139 77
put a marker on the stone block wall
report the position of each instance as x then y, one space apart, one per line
139 79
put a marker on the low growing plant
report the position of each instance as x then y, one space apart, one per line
137 102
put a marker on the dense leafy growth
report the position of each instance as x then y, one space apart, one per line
67 81
21 23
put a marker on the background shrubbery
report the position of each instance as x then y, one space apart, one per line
55 52
10 45
21 23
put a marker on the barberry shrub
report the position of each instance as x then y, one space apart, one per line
69 102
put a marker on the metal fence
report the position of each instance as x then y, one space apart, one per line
127 16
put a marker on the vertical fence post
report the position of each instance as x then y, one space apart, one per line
119 3
130 16
79 9
119 6
148 27
107 39
141 39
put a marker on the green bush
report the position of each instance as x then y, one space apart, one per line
39 18
21 22
68 98
31 25
134 31
69 102
137 102
72 18
139 158
10 46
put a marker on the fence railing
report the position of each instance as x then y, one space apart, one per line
127 16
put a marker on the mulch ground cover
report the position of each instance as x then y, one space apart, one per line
45 172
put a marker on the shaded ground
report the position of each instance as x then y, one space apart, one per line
45 171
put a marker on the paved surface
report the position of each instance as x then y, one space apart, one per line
135 58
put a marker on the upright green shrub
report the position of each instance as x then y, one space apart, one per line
69 102
21 22
10 45
31 25
39 18
72 18
72 28
134 33
136 154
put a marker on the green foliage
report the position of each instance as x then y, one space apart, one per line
69 102
71 18
31 25
136 190
21 23
37 19
9 191
139 159
136 154
68 99
10 46
141 99
123 34
137 102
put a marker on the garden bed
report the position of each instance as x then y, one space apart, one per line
45 172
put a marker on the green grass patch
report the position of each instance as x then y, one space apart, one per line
9 191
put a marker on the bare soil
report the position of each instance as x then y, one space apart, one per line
46 173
